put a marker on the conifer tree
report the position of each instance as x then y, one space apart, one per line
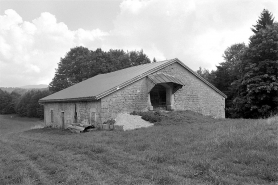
259 85
265 19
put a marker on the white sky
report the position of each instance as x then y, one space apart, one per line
35 34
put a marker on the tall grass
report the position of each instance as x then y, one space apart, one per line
271 120
185 148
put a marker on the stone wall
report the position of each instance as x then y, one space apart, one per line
84 113
131 98
195 95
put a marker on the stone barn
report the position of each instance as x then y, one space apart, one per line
166 85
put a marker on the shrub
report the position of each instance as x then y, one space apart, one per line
110 122
150 116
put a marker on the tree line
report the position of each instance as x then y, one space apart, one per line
249 73
79 64
22 102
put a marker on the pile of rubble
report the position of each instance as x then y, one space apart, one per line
131 122
123 121
79 128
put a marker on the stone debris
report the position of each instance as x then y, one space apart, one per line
81 128
75 128
124 121
131 122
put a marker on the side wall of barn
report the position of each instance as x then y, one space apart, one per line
87 113
195 95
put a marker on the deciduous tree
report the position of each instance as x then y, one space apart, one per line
80 64
28 104
6 103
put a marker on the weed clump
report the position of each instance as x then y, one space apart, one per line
150 116
110 122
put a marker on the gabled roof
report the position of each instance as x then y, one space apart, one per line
104 84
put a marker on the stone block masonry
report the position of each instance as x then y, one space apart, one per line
84 113
195 95
131 98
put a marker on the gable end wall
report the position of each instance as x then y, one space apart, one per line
195 95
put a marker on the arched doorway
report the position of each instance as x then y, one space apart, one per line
158 97
161 89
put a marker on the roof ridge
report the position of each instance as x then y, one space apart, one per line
141 65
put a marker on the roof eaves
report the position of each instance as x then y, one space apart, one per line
68 100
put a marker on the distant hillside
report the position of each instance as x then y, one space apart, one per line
11 89
25 88
40 86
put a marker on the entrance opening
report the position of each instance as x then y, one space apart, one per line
63 119
93 118
51 116
75 114
158 97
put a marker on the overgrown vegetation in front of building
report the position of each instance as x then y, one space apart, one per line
150 116
187 149
172 117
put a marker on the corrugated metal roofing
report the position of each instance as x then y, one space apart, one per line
102 85
164 78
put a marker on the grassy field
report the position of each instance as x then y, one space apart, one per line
185 148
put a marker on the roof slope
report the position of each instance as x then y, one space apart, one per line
101 85
164 78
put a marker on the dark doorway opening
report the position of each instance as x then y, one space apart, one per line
63 119
52 117
158 97
75 114
93 118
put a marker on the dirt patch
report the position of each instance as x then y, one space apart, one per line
130 122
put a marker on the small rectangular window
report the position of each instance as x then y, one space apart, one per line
63 119
51 115
93 118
